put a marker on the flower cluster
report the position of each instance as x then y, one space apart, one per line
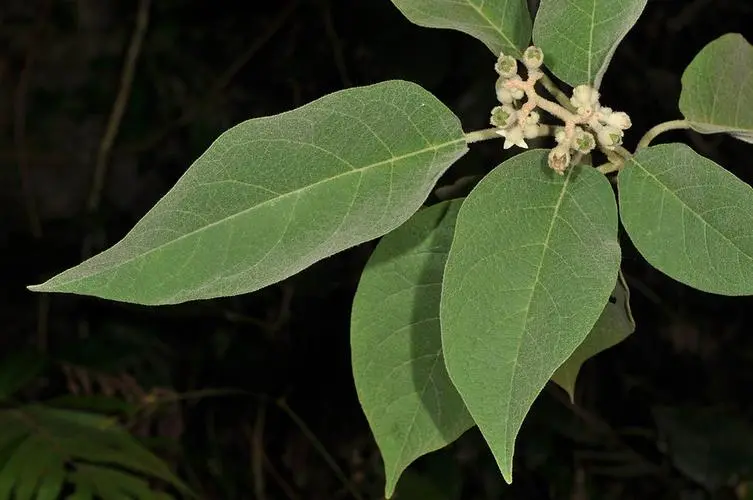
591 124
516 124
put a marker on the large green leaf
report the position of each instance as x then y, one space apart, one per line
717 88
503 26
613 326
579 37
689 218
398 366
273 195
533 261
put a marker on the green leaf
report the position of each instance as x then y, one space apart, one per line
613 326
689 218
502 26
533 261
579 37
274 195
717 88
409 401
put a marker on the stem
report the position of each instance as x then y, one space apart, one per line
608 168
553 89
482 135
660 129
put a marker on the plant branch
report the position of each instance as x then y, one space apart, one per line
482 135
119 106
654 132
553 89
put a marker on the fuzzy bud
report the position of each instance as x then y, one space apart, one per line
533 57
619 120
559 159
585 99
506 66
504 94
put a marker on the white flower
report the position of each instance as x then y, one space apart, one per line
504 94
514 136
533 57
585 99
610 137
619 120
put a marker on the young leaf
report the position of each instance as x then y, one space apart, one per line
689 218
717 89
273 195
613 326
533 261
502 26
579 37
409 401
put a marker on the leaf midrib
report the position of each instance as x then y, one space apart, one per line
496 28
359 171
545 245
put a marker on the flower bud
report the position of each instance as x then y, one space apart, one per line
503 116
506 66
531 131
559 159
619 120
610 137
504 94
583 142
533 57
585 99
560 136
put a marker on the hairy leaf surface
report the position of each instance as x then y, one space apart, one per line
502 26
409 401
579 37
689 218
273 195
717 88
533 261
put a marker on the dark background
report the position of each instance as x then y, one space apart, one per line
666 414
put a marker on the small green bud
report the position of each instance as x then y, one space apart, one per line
503 116
533 57
506 66
583 142
610 137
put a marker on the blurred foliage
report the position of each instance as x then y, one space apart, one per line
252 397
